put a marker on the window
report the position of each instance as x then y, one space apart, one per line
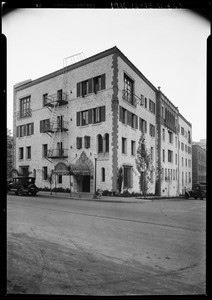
45 99
44 125
162 112
45 173
21 153
182 146
182 130
59 179
176 142
185 148
166 174
163 134
170 137
124 145
28 152
107 142
173 174
59 94
189 177
122 115
182 178
182 161
143 125
176 159
79 142
132 120
151 106
145 102
30 129
128 177
22 130
170 156
100 143
45 150
132 147
189 137
103 174
142 100
163 155
162 174
25 110
87 142
92 85
152 153
128 89
152 130
151 176
85 117
90 116
186 162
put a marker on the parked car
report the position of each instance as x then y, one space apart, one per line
23 185
198 191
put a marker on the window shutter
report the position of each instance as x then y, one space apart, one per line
129 118
89 116
32 128
78 118
17 131
136 122
120 114
102 113
41 126
145 125
90 85
78 89
25 127
103 82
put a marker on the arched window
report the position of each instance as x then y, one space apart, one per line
103 174
106 142
100 143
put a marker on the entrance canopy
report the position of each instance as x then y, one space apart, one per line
61 169
79 169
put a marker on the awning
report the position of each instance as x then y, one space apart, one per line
61 169
79 169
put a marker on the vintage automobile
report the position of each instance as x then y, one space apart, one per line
198 191
23 185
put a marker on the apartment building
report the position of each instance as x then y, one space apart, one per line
198 164
84 123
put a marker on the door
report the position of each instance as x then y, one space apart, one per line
86 184
24 171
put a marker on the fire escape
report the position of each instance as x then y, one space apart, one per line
57 127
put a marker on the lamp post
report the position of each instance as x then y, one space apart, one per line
95 159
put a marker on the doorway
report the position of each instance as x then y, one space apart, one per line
86 183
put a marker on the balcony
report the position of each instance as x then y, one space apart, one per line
131 98
59 126
57 153
56 99
24 113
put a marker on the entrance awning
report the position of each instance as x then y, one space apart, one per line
61 169
79 169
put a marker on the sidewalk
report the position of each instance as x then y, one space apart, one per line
59 195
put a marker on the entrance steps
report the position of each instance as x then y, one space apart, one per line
81 195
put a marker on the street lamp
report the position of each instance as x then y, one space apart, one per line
95 195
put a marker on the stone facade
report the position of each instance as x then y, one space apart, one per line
104 105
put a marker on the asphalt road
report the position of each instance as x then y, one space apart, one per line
77 247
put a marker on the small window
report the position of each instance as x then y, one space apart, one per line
45 99
100 143
28 152
87 142
21 153
170 156
163 134
45 150
79 142
45 173
85 117
163 155
132 147
107 142
103 174
145 101
176 159
170 137
124 145
152 130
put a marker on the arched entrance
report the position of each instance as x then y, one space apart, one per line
83 171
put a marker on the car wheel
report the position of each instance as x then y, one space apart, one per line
187 196
195 197
33 193
20 192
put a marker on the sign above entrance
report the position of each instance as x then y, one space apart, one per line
61 169
79 169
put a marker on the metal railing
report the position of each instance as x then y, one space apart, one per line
57 153
131 98
59 126
24 113
61 99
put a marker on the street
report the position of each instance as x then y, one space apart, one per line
82 247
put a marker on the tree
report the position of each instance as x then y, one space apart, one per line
143 164
120 179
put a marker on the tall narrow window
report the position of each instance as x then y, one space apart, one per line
170 156
44 173
103 174
163 134
45 99
45 150
128 89
59 179
128 177
106 142
59 94
132 147
124 145
100 143
21 153
87 142
28 152
25 110
85 117
163 155
79 142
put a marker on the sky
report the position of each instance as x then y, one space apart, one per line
169 46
